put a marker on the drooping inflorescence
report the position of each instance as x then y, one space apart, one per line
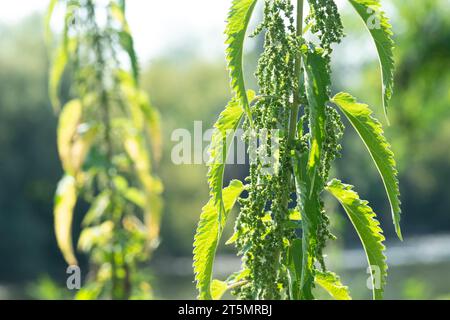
326 22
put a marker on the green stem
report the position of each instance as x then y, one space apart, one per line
118 288
237 284
298 71
295 108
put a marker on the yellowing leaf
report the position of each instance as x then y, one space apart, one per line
48 16
153 125
126 39
57 69
135 148
96 236
69 120
74 139
65 200
152 217
98 208
82 143
143 113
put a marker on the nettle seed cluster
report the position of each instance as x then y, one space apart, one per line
263 224
260 224
282 228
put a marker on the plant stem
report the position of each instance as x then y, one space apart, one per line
295 108
237 284
298 71
118 289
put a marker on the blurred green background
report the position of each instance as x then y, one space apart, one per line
188 84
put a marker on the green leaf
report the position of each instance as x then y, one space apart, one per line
295 268
99 235
59 63
135 147
65 200
207 237
97 209
368 228
83 140
127 42
381 30
90 291
125 38
48 16
153 124
317 83
238 20
222 137
135 196
143 113
122 4
218 289
371 132
306 166
332 284
308 188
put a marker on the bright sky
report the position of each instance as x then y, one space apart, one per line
158 25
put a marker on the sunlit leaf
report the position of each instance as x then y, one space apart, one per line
74 139
96 236
143 113
69 120
381 30
208 234
368 228
308 187
295 268
59 63
126 39
152 217
65 200
218 289
317 83
97 209
223 135
332 284
371 132
136 150
153 125
238 20
48 16
89 292
135 196
82 143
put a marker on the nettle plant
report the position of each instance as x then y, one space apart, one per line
108 137
282 228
